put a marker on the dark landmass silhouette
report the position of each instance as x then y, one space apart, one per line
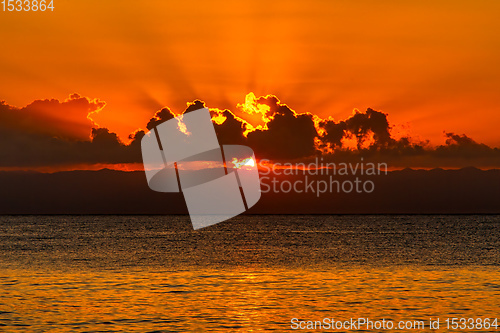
437 191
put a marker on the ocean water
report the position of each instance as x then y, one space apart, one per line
253 273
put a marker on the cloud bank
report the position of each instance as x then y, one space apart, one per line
53 133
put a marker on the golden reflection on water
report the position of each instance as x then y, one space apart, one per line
238 299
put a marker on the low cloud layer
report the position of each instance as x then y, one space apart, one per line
70 119
53 133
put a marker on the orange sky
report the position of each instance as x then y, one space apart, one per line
432 65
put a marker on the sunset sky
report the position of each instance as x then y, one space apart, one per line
432 66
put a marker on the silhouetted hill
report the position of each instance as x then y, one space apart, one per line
115 192
84 192
437 191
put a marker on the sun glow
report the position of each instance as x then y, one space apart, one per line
219 118
252 106
243 162
181 126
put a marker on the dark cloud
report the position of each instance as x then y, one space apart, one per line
460 141
230 132
465 147
196 105
288 135
35 136
333 133
70 119
35 150
160 117
375 122
362 126
41 134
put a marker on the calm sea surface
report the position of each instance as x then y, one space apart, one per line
253 273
